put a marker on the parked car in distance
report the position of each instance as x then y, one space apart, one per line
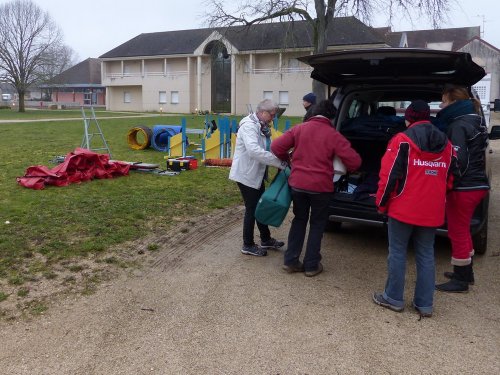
373 87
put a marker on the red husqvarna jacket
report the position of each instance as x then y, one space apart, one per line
415 175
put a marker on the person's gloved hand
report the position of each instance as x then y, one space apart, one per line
284 165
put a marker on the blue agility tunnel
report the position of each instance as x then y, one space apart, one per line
161 135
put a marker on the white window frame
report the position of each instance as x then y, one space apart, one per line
162 97
283 98
127 97
267 95
174 97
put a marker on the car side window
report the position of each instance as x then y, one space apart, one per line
355 109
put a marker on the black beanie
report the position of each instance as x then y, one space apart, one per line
418 110
311 98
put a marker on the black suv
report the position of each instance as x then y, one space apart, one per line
372 90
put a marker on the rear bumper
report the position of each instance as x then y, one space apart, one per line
374 219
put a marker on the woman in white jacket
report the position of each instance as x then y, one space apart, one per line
248 169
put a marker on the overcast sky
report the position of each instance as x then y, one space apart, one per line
93 27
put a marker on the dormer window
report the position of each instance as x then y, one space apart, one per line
441 46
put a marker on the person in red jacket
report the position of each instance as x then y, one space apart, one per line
315 143
415 175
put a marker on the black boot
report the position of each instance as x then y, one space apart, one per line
459 283
451 275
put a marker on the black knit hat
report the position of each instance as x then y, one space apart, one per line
418 110
310 98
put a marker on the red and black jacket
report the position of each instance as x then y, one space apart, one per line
415 175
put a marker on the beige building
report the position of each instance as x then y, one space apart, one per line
221 70
230 70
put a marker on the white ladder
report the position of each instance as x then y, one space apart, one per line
89 134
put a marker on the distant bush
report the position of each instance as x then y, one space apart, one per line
4 107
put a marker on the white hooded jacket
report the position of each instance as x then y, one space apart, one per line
250 155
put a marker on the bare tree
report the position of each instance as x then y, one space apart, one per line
319 14
56 60
30 46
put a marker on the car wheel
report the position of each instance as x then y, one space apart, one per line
480 240
333 226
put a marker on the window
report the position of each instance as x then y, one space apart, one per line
174 97
443 46
162 97
293 64
87 98
481 91
283 97
268 95
127 97
355 109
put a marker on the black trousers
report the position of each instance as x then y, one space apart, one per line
312 208
251 197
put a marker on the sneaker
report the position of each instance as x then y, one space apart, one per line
254 250
299 267
272 244
422 314
315 272
380 300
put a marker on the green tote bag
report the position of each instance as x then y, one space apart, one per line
274 203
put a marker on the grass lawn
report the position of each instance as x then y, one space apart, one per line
50 226
37 114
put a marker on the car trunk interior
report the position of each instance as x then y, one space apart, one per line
358 188
369 119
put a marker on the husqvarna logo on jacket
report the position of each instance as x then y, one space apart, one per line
427 163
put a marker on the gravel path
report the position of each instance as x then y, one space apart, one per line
199 306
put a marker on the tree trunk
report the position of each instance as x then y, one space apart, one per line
320 23
21 101
320 26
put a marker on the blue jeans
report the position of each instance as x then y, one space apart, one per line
251 197
317 205
423 243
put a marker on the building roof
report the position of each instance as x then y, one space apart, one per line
86 72
265 36
483 42
458 36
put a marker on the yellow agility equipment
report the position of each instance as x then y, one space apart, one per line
213 146
275 134
177 145
146 134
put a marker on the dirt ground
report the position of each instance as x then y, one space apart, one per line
199 306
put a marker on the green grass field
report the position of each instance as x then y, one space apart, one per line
52 225
37 114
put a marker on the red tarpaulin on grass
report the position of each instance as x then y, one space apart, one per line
79 165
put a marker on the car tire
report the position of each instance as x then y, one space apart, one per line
480 240
333 226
